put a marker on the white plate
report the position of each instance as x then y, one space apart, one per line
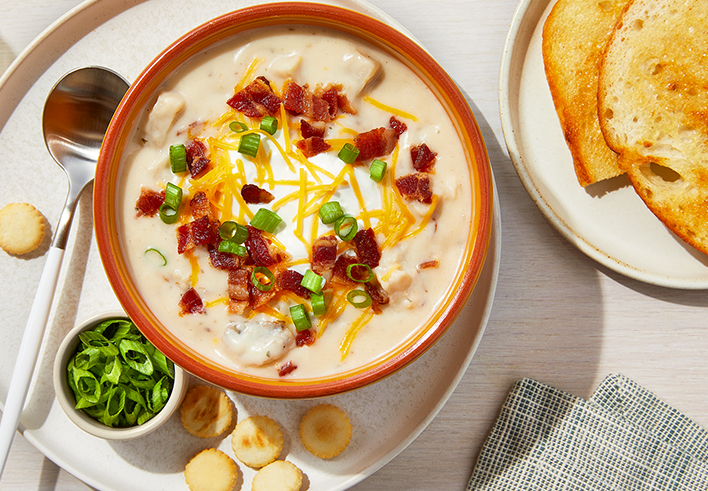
125 36
607 221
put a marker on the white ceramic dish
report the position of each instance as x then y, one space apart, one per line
66 400
94 33
607 221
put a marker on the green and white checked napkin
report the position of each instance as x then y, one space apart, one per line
622 438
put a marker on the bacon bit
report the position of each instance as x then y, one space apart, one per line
339 271
299 100
398 126
423 158
378 295
324 254
316 128
192 234
149 202
200 206
258 298
204 231
256 99
223 260
375 143
312 146
197 161
239 282
294 97
278 254
415 186
332 93
367 250
331 97
304 338
290 280
258 249
345 105
429 264
191 303
254 195
184 239
286 369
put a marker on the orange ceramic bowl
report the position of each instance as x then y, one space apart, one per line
144 91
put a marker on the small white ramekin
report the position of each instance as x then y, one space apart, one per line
66 399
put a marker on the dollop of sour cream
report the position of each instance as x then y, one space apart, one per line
257 343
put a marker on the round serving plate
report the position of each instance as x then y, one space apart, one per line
102 32
607 220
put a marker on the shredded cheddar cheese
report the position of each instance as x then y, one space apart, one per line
194 265
306 186
389 109
356 326
217 301
248 74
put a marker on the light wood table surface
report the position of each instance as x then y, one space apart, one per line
558 316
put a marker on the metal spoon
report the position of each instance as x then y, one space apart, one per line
76 115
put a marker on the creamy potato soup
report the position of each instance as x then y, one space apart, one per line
324 209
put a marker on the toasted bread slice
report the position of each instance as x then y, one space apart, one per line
653 107
680 205
574 38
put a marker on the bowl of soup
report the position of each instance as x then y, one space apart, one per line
293 201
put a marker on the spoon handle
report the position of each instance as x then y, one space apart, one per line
29 351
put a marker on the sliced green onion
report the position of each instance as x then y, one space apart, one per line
114 406
300 317
377 170
159 395
173 196
369 275
113 370
97 342
167 214
266 220
136 356
238 127
178 158
249 144
152 249
269 124
319 307
263 271
145 416
118 378
312 281
234 232
354 296
232 248
348 153
330 212
346 227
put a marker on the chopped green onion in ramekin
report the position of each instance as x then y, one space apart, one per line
117 376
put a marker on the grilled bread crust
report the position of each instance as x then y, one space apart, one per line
574 38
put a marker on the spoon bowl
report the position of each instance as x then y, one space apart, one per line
76 115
